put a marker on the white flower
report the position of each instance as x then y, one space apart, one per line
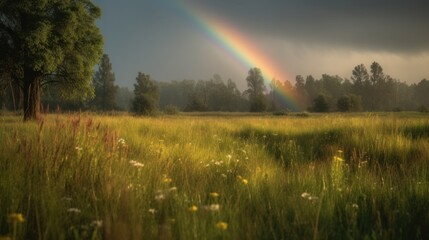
73 210
305 195
121 141
152 210
136 164
67 199
212 207
97 223
159 197
313 198
308 196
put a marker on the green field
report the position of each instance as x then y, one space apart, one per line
360 176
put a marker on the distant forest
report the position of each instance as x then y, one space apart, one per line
365 90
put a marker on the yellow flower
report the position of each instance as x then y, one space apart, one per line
167 180
193 208
16 217
214 194
222 225
244 181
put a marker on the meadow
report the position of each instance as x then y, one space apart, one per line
300 176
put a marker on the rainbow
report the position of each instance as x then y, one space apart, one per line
240 47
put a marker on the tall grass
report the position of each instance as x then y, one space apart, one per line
229 177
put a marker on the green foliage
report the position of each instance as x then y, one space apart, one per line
44 42
349 103
321 104
212 95
146 95
255 91
104 84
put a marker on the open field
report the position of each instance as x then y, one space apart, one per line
215 177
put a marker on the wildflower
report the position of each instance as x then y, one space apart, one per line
313 198
136 164
152 210
193 208
308 196
354 205
244 181
67 199
167 180
212 207
305 195
97 223
222 225
229 156
73 210
160 196
214 194
121 141
16 217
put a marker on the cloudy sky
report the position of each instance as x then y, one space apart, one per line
182 39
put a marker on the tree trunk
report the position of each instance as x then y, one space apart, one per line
31 104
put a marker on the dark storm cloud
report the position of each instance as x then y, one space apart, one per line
376 25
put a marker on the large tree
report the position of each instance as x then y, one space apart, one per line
256 89
104 84
50 41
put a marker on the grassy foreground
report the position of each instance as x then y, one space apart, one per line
230 177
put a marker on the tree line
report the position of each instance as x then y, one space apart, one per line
365 91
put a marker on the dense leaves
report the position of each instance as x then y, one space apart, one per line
105 88
50 41
146 95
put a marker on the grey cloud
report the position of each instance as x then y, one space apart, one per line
377 25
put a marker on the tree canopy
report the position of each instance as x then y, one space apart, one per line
146 95
50 41
104 86
256 89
